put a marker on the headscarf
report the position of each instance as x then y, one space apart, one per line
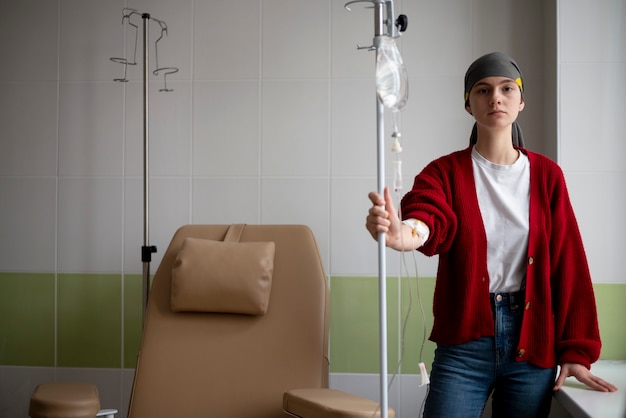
489 65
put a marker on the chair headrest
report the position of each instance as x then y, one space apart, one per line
222 276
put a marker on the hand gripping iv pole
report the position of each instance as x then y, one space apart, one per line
384 26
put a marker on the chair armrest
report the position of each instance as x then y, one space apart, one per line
329 403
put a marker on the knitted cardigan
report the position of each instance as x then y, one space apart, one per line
560 320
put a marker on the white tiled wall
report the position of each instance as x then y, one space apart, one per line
272 120
272 117
592 127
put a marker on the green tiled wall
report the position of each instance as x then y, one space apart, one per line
88 320
611 302
354 342
98 321
27 319
132 319
354 323
89 327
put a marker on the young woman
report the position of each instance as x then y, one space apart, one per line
513 296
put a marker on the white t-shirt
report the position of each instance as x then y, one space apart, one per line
504 197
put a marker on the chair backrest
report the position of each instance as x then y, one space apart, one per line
202 364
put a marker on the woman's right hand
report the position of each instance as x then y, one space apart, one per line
383 217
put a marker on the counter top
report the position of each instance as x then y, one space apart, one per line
583 402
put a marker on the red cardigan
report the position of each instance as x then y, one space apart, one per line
560 320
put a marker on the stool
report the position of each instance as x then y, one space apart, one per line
329 403
64 400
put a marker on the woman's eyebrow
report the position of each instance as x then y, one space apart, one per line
483 83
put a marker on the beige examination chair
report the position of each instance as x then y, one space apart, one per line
237 327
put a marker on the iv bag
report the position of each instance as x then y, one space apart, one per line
392 85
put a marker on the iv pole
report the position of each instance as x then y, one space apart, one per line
382 261
146 250
383 26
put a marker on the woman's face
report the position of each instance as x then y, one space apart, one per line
495 102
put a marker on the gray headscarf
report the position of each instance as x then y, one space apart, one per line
495 64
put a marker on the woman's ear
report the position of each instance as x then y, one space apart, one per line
468 109
522 104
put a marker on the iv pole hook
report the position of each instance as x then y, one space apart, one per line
400 23
165 70
393 28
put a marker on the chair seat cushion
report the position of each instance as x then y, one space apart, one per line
329 403
64 400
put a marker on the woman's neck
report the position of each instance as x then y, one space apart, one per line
497 147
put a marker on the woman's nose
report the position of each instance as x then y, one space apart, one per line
495 98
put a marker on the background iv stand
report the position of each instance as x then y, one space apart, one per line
127 15
384 25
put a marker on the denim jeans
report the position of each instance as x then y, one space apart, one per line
463 376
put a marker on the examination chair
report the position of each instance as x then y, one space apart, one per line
237 327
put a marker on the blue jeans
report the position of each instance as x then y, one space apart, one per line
463 376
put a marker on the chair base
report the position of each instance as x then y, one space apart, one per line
64 400
329 403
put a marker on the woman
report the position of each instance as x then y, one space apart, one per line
513 296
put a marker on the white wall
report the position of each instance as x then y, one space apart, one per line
272 120
592 127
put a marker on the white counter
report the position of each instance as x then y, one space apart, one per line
583 402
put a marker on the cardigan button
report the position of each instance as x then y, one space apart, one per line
521 352
527 306
531 260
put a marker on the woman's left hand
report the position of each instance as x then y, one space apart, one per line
583 375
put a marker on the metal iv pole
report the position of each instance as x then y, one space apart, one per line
384 25
146 250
